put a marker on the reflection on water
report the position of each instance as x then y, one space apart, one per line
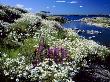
102 37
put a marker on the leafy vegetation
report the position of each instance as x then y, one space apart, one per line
9 14
57 18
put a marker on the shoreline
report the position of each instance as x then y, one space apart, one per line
96 24
97 21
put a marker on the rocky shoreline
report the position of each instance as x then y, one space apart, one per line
97 21
97 24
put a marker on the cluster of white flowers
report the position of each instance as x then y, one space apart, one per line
71 32
4 26
30 18
16 65
58 72
47 69
13 10
51 24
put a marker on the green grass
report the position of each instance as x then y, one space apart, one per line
26 49
22 26
28 46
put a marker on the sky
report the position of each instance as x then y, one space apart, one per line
62 6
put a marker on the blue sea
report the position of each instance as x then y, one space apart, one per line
103 38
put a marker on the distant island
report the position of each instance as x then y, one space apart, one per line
95 15
97 21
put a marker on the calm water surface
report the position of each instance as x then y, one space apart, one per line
103 38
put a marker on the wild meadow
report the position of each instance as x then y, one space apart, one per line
36 49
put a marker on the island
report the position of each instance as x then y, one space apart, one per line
97 21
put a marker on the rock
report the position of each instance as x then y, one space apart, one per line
93 32
97 71
82 37
76 28
91 37
93 73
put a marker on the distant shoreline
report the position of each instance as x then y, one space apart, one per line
97 24
97 21
79 15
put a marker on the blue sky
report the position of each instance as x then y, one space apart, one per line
63 6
